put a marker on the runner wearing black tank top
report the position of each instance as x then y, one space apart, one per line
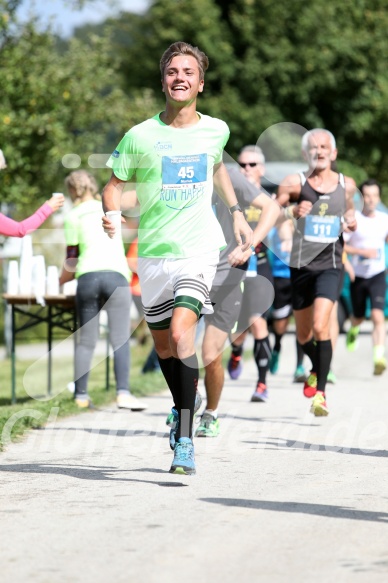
323 209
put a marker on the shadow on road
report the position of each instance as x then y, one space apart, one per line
110 432
315 447
284 420
303 508
97 473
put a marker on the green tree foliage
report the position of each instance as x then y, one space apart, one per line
323 64
200 24
54 103
318 63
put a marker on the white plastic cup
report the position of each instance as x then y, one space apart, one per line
115 218
25 274
13 278
38 277
70 288
52 281
57 194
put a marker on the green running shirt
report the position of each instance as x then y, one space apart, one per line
97 252
173 172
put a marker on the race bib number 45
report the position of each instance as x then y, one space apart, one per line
321 229
179 172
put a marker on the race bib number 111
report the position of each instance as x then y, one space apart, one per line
321 229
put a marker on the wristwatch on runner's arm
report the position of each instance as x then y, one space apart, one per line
234 208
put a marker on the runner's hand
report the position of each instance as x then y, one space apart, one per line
238 256
242 231
350 221
303 209
108 227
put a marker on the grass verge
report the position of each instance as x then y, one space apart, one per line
32 375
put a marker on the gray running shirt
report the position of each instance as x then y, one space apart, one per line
246 193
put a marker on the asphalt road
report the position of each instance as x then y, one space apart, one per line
279 495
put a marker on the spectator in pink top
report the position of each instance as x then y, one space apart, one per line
11 228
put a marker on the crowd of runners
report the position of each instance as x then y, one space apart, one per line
213 245
280 255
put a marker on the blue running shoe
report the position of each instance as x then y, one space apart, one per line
261 393
274 362
183 462
173 421
234 366
173 418
300 374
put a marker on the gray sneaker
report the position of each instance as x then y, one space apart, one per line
208 426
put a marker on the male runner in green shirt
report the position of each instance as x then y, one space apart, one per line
175 158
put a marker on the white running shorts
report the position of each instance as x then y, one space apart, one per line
170 283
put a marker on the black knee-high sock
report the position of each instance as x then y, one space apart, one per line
278 342
262 354
299 354
167 368
185 385
324 353
309 349
237 350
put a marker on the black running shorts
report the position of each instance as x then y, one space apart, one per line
308 285
373 288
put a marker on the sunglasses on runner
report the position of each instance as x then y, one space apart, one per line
251 164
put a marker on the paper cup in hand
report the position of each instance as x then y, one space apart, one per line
57 194
115 219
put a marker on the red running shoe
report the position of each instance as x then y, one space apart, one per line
310 386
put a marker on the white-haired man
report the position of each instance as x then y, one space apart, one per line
323 209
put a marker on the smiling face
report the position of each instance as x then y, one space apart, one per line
320 152
181 81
